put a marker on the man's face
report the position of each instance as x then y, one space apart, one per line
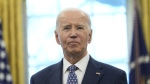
73 32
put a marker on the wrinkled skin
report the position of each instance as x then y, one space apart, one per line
73 33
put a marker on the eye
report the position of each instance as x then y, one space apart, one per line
79 28
66 28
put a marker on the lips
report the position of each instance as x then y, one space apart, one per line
73 42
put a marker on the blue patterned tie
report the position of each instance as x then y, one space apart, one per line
72 77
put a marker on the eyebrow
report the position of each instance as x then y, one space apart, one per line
66 25
78 24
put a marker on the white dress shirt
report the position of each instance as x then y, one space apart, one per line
82 64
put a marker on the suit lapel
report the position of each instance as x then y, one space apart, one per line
55 77
93 73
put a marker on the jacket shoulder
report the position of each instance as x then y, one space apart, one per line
41 76
114 74
107 67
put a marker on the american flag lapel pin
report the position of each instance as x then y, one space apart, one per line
98 73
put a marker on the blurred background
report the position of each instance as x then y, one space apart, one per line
121 36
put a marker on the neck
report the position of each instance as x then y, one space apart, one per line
74 58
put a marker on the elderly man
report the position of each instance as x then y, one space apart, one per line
73 32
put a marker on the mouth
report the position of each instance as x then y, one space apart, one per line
73 43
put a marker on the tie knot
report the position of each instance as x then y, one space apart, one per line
72 68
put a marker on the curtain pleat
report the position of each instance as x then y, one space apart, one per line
19 39
145 17
11 14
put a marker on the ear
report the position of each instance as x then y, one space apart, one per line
57 37
90 36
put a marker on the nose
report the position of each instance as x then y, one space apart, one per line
73 33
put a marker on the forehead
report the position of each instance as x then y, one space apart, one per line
72 15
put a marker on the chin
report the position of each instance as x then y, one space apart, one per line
74 51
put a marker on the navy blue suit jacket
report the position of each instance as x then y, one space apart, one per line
108 74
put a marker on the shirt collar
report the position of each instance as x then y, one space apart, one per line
81 64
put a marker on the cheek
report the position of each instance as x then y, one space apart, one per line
84 39
62 39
